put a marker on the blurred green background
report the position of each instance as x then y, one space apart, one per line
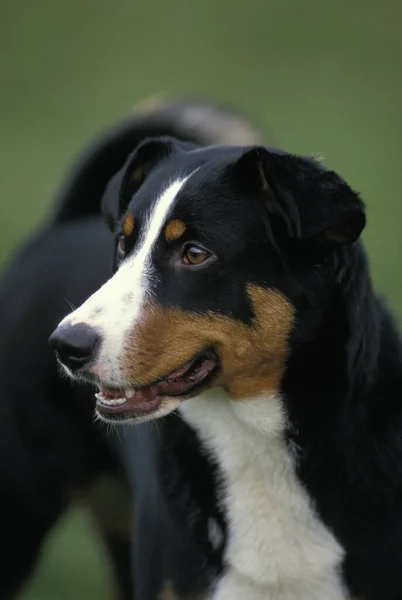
320 76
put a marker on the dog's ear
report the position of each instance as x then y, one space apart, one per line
130 178
315 208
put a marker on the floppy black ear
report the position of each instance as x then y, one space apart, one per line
130 178
317 207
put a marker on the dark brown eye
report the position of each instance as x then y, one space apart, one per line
121 247
194 255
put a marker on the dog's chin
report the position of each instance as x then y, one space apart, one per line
121 405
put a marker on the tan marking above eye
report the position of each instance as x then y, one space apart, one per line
128 226
174 230
253 357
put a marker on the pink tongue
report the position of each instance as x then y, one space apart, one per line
146 394
164 388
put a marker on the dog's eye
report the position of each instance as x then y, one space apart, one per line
121 247
194 255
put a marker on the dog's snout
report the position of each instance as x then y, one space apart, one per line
75 345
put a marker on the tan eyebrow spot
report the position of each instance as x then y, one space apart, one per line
174 230
128 226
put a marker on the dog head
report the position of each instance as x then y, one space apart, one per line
222 254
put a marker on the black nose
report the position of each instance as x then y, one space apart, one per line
75 345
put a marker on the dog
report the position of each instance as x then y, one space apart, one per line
241 314
52 453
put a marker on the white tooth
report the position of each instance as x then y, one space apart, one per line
99 396
113 401
117 401
129 392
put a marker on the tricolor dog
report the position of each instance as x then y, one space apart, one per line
241 315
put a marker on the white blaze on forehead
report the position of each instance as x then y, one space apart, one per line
114 309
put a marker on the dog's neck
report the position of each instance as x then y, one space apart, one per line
275 540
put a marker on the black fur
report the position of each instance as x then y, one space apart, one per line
343 378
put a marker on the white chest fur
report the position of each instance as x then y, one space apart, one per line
277 547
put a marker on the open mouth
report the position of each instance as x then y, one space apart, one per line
183 382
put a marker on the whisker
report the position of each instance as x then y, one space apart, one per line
71 305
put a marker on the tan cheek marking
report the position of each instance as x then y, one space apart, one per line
269 347
128 226
174 230
253 357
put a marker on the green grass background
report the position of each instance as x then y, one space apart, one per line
321 76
